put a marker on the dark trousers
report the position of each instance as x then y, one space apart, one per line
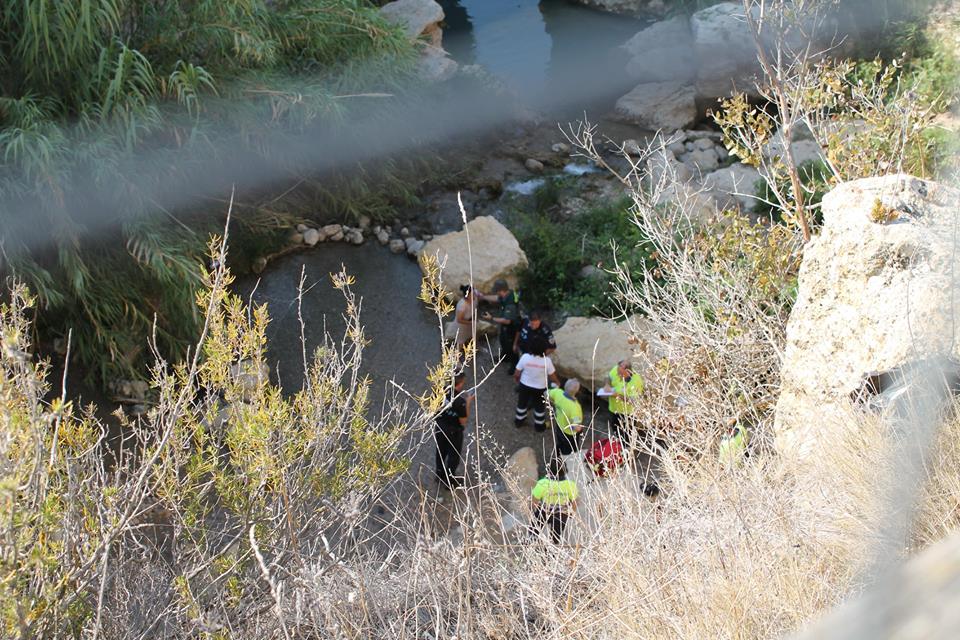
556 519
510 358
527 396
619 428
449 447
564 444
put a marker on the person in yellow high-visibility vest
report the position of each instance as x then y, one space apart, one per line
733 445
554 499
626 385
567 418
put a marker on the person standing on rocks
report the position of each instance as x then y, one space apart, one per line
554 499
625 385
534 372
451 423
466 313
508 319
567 418
534 331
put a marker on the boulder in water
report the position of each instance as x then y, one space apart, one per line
417 17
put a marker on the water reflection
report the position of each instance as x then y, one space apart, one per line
550 50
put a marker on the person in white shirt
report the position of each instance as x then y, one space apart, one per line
534 372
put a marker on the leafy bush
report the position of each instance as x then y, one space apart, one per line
558 250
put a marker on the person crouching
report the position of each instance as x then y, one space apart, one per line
554 498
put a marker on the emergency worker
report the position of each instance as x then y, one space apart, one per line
507 318
626 385
554 498
534 331
567 417
534 372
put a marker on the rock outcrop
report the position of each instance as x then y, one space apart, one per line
659 105
421 20
588 347
725 50
662 52
877 291
495 254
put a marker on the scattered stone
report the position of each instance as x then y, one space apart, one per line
301 228
688 146
427 237
534 166
311 237
259 265
664 167
404 232
295 238
677 148
703 144
738 180
659 105
571 207
332 232
413 246
703 160
496 254
364 222
561 147
397 246
382 236
632 148
354 236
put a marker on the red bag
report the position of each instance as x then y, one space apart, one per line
604 457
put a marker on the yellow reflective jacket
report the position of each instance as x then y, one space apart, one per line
566 411
630 389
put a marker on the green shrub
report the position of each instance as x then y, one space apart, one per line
559 249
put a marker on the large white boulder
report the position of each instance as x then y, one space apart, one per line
662 52
877 291
495 254
659 105
725 50
417 17
587 348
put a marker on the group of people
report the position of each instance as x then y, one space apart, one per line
526 343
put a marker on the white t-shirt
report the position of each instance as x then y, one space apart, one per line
534 370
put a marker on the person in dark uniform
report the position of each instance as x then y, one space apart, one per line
451 422
507 318
534 331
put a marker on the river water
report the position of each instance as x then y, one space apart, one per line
556 54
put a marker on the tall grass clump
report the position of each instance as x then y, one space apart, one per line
106 104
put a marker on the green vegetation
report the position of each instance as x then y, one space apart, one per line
558 249
103 100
